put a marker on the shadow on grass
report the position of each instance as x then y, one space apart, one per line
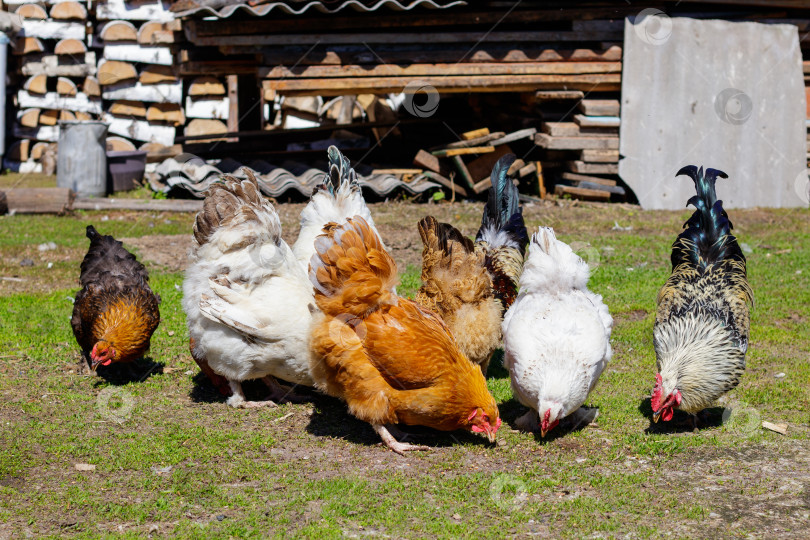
512 410
330 418
496 369
135 372
682 422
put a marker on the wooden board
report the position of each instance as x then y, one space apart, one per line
599 107
573 177
66 87
171 113
38 84
54 200
558 95
544 140
475 134
600 156
122 108
206 86
32 11
113 71
463 151
481 168
116 31
477 141
426 160
464 84
583 167
69 10
419 70
582 193
515 136
155 33
154 74
597 121
561 129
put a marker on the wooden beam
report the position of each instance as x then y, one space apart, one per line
544 140
599 107
233 104
451 152
55 200
465 84
449 184
558 95
584 178
582 193
444 70
600 156
561 129
582 167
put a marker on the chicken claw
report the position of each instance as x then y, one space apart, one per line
238 400
281 393
398 447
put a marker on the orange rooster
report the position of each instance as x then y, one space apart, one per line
390 360
115 313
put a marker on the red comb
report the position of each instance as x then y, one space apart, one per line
655 398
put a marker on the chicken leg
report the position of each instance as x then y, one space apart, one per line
238 400
398 447
281 393
528 422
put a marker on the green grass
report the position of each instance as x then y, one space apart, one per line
170 458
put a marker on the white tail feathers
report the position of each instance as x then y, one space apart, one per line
552 266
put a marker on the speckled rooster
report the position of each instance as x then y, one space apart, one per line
115 313
503 236
702 322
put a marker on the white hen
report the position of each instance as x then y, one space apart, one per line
336 199
556 335
248 301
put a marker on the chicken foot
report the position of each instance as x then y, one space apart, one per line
389 440
238 400
281 393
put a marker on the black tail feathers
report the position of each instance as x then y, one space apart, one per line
707 236
502 211
92 233
340 169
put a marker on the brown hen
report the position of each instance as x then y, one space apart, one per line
115 313
391 361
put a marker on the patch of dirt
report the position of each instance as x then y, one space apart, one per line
168 250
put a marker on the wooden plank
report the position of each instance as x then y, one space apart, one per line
541 184
515 167
600 156
597 121
466 84
617 190
423 38
485 52
475 134
558 95
599 107
463 151
233 103
449 184
426 160
477 141
582 193
526 170
463 172
583 167
515 136
544 140
561 129
419 70
583 178
55 200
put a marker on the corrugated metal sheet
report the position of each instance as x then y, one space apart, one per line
195 177
297 8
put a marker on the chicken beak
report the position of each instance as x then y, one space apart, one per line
543 432
492 436
656 415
